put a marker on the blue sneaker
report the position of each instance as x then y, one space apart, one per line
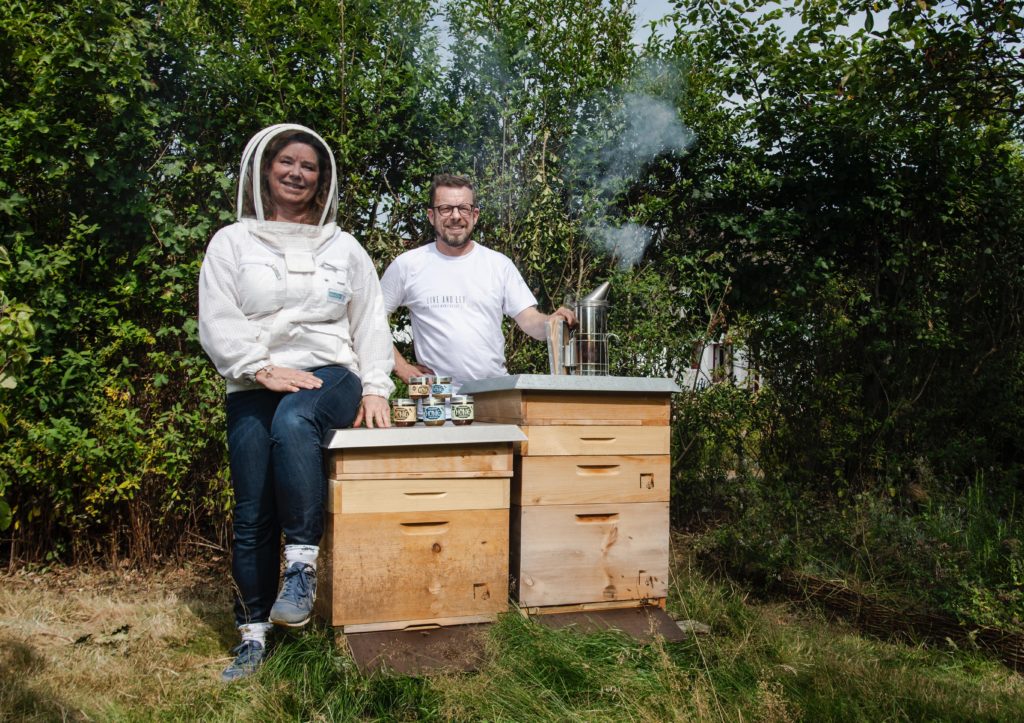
295 601
248 657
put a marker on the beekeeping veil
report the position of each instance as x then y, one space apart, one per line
254 202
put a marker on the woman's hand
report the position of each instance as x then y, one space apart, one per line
373 410
286 379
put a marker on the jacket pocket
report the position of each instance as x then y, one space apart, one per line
331 289
261 286
327 342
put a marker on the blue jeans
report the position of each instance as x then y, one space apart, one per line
277 474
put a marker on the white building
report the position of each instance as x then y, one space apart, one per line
717 362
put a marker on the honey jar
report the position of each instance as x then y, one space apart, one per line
433 411
462 409
419 387
442 387
403 412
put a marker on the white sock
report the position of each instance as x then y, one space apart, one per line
301 553
256 632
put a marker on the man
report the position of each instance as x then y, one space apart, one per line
456 291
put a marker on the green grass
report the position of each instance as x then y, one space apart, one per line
762 662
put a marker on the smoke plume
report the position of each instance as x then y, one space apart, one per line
649 127
646 126
625 243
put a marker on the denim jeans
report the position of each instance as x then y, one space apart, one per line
277 474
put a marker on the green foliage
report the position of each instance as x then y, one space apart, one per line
123 122
857 186
867 270
17 333
844 201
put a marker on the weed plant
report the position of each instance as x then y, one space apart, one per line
914 536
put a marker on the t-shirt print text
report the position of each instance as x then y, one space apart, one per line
446 301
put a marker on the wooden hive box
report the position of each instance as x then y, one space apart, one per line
416 534
527 407
590 528
589 515
575 554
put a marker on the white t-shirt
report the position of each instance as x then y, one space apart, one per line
456 304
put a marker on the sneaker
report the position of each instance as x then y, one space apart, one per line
248 657
295 602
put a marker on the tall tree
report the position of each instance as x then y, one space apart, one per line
124 121
872 214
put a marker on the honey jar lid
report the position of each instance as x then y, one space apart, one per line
421 380
462 399
401 402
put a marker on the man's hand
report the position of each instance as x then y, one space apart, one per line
286 379
373 410
564 313
532 321
405 371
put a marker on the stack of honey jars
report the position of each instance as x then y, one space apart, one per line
428 402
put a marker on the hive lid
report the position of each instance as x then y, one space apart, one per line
421 435
571 383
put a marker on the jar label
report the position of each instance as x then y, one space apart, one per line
403 414
419 390
433 413
441 390
462 411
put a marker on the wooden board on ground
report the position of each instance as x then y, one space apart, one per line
421 566
417 495
578 439
427 462
567 480
645 623
592 606
420 652
568 554
409 625
528 407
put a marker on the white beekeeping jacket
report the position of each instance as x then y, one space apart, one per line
299 295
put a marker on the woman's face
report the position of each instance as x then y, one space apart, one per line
293 177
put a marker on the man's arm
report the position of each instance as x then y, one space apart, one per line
404 370
393 287
532 321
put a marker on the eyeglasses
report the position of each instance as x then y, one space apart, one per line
445 210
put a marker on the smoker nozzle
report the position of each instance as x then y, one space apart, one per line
598 294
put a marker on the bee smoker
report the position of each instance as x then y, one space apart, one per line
584 350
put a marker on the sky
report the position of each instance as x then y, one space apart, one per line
646 11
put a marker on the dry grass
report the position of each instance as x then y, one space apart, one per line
81 644
101 645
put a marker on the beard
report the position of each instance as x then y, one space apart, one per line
455 237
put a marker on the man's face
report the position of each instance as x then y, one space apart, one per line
456 228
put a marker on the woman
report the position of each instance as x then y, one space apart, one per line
291 313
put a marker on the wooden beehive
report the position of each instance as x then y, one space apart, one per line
415 534
589 514
573 554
